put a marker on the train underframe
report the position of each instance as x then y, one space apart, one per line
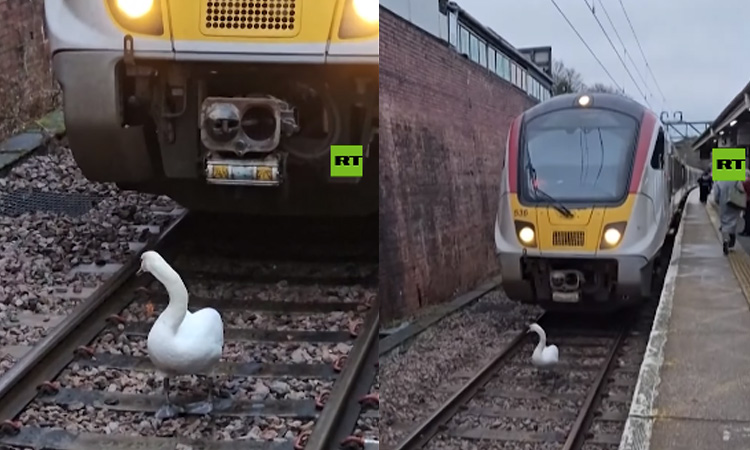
581 284
224 137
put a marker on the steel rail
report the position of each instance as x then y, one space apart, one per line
432 425
577 431
18 386
331 421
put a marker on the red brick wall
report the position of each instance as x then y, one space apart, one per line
444 122
27 91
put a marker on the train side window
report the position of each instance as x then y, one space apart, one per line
657 158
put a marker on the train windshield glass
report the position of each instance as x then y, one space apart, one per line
579 155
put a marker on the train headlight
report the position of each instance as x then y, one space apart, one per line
612 235
135 9
584 100
367 10
361 19
526 234
138 16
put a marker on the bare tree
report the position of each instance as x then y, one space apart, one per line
601 87
565 80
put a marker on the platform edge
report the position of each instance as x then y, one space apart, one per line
637 432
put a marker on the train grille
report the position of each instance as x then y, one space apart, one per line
250 18
568 238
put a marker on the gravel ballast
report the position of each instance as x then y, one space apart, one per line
39 249
438 357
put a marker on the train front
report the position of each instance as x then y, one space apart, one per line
574 227
224 105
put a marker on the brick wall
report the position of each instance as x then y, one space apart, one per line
27 90
444 122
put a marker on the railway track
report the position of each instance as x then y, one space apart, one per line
508 404
299 370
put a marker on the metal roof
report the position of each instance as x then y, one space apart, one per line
492 36
739 104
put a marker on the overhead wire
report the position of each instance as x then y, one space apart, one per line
625 49
587 46
614 48
643 54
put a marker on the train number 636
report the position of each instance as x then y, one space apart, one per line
520 213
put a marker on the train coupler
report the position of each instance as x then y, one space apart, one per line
268 171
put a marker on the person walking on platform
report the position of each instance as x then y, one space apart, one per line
746 215
732 201
705 183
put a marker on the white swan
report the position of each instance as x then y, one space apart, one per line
181 342
544 356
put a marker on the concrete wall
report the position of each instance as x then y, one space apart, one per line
27 91
443 127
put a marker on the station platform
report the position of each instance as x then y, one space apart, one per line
693 390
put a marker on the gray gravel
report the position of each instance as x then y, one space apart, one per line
39 249
281 292
333 321
134 382
235 351
447 443
510 423
232 266
459 343
102 421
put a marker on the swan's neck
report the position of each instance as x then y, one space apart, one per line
178 296
542 341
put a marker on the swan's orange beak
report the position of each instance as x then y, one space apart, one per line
149 309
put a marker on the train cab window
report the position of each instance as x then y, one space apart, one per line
657 158
580 156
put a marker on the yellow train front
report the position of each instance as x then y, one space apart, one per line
224 105
589 188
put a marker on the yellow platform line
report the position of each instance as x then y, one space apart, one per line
738 259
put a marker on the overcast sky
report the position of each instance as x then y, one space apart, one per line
682 40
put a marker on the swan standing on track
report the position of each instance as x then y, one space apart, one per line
181 342
544 356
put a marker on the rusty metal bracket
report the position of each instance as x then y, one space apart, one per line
10 427
370 400
84 352
49 388
301 441
320 400
339 364
355 326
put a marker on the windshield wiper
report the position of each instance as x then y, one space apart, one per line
553 201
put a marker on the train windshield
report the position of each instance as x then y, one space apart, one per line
578 155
